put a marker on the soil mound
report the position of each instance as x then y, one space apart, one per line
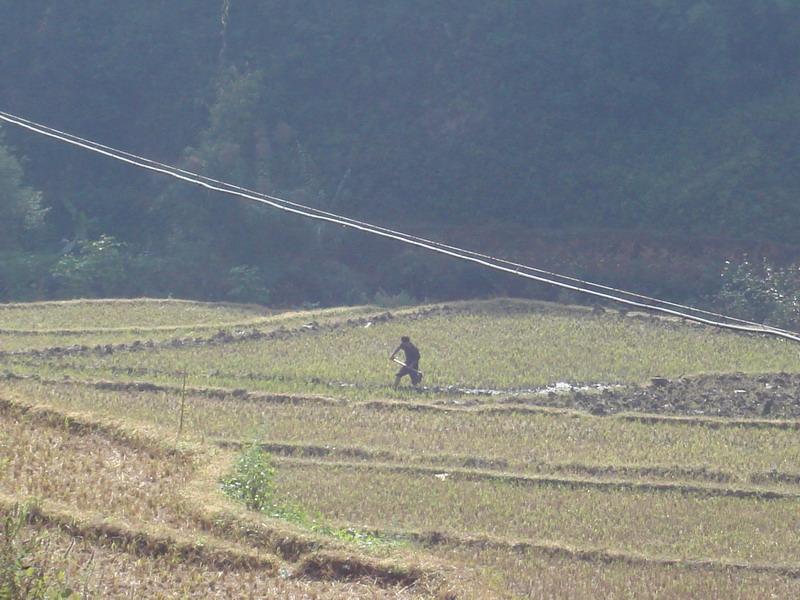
768 396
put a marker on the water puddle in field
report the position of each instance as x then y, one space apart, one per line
560 387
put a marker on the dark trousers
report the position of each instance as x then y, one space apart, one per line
412 370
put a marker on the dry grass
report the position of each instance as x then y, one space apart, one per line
509 440
91 472
526 348
111 323
99 571
115 314
531 574
125 490
656 524
111 481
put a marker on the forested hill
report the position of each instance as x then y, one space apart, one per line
679 118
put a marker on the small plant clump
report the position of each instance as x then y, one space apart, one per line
21 578
252 480
253 483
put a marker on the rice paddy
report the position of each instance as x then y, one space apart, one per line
520 349
115 314
480 485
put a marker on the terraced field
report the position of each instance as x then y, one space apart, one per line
500 346
486 483
70 327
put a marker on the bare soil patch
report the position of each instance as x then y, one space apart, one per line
766 396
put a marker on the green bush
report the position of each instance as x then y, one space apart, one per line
98 268
25 276
252 480
246 284
21 208
761 292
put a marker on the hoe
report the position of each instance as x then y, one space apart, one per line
400 362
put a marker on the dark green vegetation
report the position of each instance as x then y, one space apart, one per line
637 141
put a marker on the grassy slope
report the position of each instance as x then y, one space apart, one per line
351 451
525 348
48 325
128 493
76 315
521 442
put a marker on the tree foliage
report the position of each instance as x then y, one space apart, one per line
671 115
762 291
21 210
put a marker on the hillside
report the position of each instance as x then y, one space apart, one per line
541 457
646 118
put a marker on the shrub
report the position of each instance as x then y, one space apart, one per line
25 276
761 292
252 480
96 268
246 284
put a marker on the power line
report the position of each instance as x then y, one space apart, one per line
519 270
517 266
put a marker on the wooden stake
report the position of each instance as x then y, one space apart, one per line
183 404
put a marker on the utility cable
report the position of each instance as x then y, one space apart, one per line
408 236
517 266
316 214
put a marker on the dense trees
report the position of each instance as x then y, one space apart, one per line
673 115
21 211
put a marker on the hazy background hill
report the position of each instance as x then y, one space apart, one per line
638 142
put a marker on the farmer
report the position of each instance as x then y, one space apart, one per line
411 362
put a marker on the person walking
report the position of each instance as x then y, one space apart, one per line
410 364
